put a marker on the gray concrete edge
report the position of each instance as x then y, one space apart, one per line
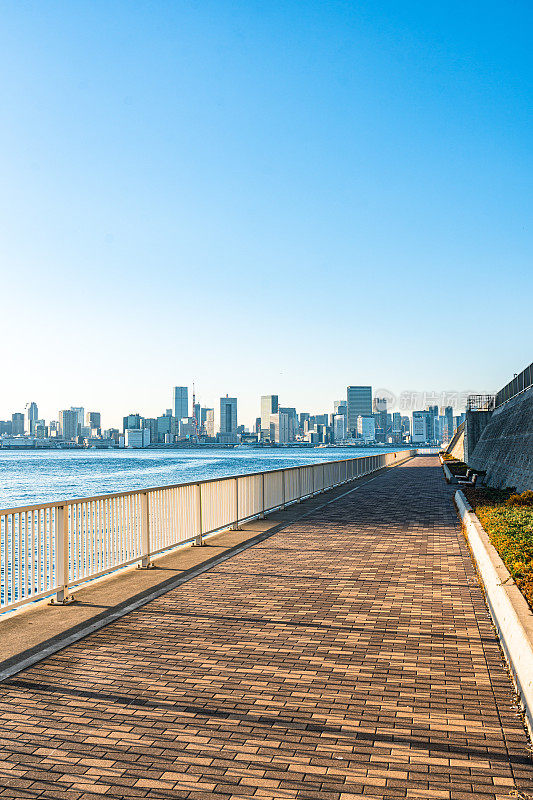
508 608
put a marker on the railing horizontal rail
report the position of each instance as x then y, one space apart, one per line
47 549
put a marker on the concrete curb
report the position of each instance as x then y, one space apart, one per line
509 610
447 474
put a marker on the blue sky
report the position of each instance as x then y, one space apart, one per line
263 197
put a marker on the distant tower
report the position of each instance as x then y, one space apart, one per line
180 402
32 415
269 406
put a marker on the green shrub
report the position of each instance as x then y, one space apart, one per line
524 499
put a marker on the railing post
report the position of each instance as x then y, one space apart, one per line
199 541
323 478
145 534
235 526
299 484
283 488
262 515
62 597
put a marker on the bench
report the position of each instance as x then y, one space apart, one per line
471 478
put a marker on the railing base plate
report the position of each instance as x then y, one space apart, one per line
151 565
67 601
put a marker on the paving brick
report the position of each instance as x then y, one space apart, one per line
348 656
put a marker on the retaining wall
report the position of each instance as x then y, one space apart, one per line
505 446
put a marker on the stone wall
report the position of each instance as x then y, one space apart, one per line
505 447
475 424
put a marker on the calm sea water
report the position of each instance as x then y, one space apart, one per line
40 477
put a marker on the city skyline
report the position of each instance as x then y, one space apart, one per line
361 416
405 403
262 198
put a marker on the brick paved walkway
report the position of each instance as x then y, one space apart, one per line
348 656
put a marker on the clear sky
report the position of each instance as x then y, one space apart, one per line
265 197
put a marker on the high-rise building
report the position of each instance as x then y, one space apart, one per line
187 428
132 422
340 407
380 416
366 428
293 422
422 426
181 402
228 414
269 406
32 415
434 421
151 424
17 424
339 427
396 422
93 419
279 427
68 424
166 429
209 423
448 413
359 404
80 412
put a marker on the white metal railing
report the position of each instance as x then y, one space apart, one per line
50 548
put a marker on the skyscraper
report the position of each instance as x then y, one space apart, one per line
279 428
181 402
380 416
359 404
17 424
80 416
269 406
209 422
93 419
421 430
32 415
434 424
68 424
339 427
228 414
448 413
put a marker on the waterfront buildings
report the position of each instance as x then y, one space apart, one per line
422 427
32 415
209 422
132 421
228 420
366 428
339 428
180 398
80 414
228 414
293 425
359 404
359 420
17 424
137 437
93 419
269 406
68 424
279 428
